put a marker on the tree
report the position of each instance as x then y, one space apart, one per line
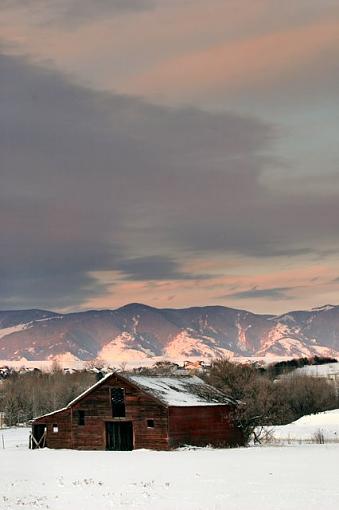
252 389
267 401
28 395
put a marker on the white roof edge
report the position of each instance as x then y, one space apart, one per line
50 414
79 397
84 393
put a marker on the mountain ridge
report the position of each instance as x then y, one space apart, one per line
136 331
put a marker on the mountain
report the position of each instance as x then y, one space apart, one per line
137 331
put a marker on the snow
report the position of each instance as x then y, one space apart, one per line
65 357
56 317
324 308
13 438
180 391
242 340
91 388
14 329
174 391
122 348
330 370
306 428
285 317
79 397
279 478
281 339
184 345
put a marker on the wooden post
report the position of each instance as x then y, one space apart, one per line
44 438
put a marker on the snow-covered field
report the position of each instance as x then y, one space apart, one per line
308 429
330 370
130 363
265 478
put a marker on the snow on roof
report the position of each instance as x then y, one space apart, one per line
181 390
173 390
90 389
49 414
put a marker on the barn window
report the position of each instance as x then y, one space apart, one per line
118 402
81 417
55 428
150 424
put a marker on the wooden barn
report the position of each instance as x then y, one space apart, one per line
124 412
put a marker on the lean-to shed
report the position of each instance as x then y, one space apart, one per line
123 412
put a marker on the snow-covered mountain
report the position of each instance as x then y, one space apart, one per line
137 331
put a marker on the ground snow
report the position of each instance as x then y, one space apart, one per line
279 478
307 428
326 370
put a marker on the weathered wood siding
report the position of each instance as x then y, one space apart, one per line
97 407
62 438
200 426
139 408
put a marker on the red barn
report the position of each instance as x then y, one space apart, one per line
123 412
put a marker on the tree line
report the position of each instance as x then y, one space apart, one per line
25 396
264 398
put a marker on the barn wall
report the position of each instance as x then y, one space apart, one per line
200 426
174 426
97 407
62 438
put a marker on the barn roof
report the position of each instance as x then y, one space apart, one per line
180 390
172 390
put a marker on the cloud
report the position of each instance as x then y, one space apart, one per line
155 268
276 62
93 182
51 291
74 12
96 182
255 293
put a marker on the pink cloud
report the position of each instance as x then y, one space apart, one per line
259 61
304 291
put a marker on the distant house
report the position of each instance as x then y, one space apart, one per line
124 412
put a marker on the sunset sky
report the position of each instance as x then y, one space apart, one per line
170 152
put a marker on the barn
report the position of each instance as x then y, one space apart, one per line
125 412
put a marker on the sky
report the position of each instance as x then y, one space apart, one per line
171 152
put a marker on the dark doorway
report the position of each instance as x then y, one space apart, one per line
119 435
118 402
39 436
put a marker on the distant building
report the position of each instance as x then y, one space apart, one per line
195 365
123 412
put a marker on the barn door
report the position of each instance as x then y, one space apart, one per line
38 436
119 435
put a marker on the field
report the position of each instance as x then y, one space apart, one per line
265 478
314 428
